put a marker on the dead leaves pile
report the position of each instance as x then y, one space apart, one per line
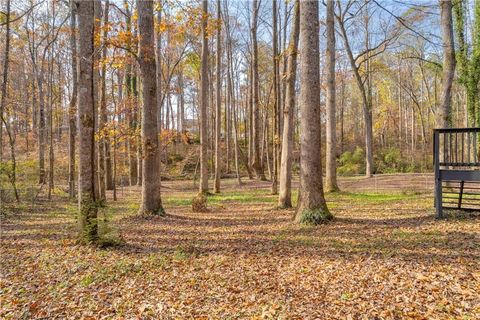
247 261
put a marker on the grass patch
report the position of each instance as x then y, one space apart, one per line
373 197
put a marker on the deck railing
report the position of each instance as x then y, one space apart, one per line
456 155
457 147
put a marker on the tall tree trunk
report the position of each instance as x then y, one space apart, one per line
203 186
233 100
312 207
131 114
444 114
158 56
331 163
276 102
99 173
72 109
41 128
366 102
181 126
13 173
218 98
285 195
50 84
250 113
467 58
257 139
86 121
151 200
5 76
105 139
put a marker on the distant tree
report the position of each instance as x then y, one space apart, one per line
103 118
203 187
331 150
276 100
256 161
218 101
72 108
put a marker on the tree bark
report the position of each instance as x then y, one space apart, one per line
312 207
331 150
218 101
285 195
151 199
72 109
366 102
86 124
203 186
5 76
99 173
276 102
105 141
257 139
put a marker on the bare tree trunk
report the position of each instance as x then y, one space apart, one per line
276 102
5 76
72 109
106 148
366 101
331 163
285 196
99 173
218 98
444 114
86 121
151 199
13 172
41 128
158 56
250 115
51 158
234 114
256 164
115 142
312 207
131 114
203 186
181 126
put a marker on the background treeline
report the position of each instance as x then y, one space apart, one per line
389 58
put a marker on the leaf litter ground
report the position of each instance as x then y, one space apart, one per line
383 257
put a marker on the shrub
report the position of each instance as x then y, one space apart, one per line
352 162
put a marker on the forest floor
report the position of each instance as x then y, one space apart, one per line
383 257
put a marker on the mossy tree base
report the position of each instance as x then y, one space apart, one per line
88 233
313 216
157 212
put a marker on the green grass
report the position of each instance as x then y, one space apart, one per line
260 196
371 197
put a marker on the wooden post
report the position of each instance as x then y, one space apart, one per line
460 197
438 181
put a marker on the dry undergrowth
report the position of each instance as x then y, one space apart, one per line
384 256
